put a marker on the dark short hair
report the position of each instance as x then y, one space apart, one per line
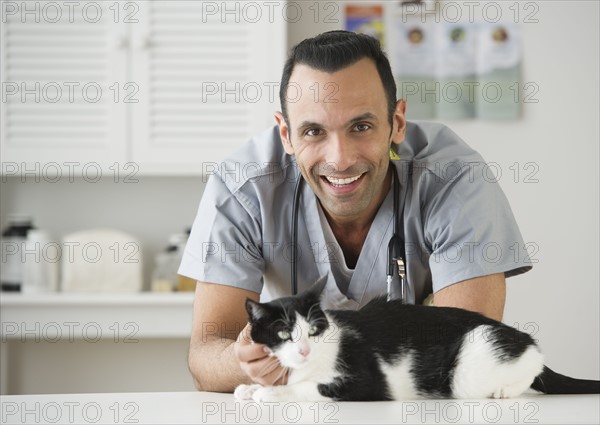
334 50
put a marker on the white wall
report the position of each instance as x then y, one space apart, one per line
560 213
559 299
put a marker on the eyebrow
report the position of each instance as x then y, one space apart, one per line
367 116
363 117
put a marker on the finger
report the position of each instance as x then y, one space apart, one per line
244 337
245 349
250 353
258 368
280 376
263 368
276 377
267 371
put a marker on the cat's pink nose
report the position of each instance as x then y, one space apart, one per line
304 351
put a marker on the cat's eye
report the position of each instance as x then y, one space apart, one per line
312 331
284 335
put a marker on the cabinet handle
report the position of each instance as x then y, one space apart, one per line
122 42
144 42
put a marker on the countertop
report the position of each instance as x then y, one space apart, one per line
204 407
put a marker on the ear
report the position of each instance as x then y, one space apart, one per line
317 288
284 133
399 122
255 310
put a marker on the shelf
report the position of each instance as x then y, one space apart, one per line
94 316
107 299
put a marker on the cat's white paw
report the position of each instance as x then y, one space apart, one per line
245 392
512 391
267 394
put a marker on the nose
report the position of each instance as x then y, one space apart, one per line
339 152
304 351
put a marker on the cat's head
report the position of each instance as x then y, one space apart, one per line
290 326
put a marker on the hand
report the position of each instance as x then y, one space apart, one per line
255 361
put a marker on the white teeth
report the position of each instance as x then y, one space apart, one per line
339 182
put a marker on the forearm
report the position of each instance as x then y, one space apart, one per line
214 366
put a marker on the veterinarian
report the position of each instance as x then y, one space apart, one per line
347 135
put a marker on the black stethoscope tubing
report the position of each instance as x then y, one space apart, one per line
396 248
295 208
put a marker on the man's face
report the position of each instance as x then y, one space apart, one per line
340 135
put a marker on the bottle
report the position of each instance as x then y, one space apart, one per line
184 283
42 256
13 245
165 277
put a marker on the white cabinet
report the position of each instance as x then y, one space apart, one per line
58 66
165 85
205 85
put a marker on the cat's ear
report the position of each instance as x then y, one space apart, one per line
317 288
255 310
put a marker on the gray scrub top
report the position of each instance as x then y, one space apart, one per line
457 223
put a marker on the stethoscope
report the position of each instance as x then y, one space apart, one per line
396 253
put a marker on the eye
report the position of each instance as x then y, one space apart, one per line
313 132
361 127
284 335
312 331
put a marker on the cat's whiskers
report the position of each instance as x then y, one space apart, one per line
284 371
285 321
310 310
320 320
286 315
268 368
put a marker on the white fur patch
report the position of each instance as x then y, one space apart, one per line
399 378
319 364
479 374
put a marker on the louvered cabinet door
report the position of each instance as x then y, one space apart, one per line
208 74
63 67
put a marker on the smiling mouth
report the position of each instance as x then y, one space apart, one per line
341 182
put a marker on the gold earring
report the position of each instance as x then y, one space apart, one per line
393 155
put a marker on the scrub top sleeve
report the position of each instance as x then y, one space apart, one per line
470 229
224 246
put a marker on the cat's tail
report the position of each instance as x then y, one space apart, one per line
550 382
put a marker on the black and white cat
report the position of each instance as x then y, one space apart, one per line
393 351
